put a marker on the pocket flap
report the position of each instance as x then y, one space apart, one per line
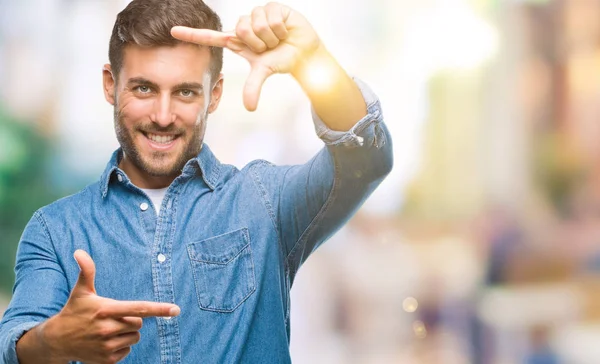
219 249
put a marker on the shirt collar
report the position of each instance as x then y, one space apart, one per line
205 162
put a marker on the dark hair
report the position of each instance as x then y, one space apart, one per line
148 23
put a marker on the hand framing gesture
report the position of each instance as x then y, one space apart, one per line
273 39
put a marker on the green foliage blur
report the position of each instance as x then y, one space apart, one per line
24 187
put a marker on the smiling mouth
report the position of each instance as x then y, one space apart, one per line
161 139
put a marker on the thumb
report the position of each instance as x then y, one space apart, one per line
87 272
253 86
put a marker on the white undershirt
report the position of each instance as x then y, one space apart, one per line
156 196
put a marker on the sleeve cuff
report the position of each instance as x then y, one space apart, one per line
9 344
367 131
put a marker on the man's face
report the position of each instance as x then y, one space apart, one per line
161 102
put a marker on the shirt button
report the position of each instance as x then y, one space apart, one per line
144 206
120 178
161 258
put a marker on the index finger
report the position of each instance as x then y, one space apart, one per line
205 37
117 309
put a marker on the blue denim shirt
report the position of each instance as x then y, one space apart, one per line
225 247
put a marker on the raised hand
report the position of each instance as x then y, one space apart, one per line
274 39
94 329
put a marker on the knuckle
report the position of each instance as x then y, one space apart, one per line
138 324
260 27
242 31
142 311
101 314
104 332
275 24
137 337
106 347
278 27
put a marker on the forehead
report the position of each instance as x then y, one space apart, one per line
164 64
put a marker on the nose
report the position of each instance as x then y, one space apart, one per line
163 114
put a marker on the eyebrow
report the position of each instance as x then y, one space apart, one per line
184 85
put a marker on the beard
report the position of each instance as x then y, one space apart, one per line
157 163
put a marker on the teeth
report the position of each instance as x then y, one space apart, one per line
162 139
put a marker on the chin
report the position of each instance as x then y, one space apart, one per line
162 170
165 166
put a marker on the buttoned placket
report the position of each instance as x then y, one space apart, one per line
158 231
160 236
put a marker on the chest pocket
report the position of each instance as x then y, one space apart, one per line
223 270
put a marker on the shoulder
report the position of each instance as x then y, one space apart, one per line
72 205
264 172
257 174
263 167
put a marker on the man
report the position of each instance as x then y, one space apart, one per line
179 258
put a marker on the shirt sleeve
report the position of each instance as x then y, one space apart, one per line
40 289
311 201
369 127
9 340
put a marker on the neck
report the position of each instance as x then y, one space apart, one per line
142 179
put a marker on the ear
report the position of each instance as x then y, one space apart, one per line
215 95
109 83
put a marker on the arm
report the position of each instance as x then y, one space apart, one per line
44 323
320 196
334 96
40 289
312 200
32 348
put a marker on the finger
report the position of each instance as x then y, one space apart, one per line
262 28
205 37
276 17
117 309
132 323
245 33
87 272
120 354
126 325
253 86
113 327
123 341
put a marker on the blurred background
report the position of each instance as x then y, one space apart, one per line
482 246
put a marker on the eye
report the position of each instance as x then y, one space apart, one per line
143 89
186 93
